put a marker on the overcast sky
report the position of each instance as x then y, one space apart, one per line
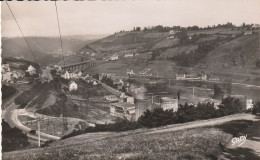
107 17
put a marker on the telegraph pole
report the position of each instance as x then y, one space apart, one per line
39 134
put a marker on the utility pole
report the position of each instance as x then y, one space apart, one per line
169 82
39 134
193 90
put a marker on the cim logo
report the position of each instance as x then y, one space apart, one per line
239 140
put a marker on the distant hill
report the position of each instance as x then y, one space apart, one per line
231 52
47 49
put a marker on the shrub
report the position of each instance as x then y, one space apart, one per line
157 117
206 111
256 108
12 138
7 91
186 113
230 106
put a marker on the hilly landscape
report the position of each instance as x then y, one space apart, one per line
228 52
47 49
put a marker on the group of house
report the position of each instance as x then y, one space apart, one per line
71 75
116 56
9 76
191 77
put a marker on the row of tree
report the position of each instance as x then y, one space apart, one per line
159 117
160 28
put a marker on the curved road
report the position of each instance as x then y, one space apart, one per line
10 115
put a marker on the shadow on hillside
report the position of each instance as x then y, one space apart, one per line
240 154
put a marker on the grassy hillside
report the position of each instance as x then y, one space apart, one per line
160 143
45 48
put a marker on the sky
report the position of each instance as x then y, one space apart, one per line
110 16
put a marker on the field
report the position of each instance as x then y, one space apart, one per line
50 125
194 143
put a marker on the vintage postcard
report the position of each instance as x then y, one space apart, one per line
130 79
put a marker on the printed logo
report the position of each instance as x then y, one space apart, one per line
239 140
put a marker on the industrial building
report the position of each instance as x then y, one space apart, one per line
123 110
169 103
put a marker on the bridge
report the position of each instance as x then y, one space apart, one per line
81 65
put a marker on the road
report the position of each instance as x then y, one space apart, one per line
10 115
249 150
203 123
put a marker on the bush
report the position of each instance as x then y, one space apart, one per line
157 117
33 132
257 63
256 108
186 113
206 111
12 138
230 106
7 91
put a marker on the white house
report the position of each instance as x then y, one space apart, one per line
180 76
31 70
129 55
172 32
5 68
247 33
114 57
249 103
73 86
95 83
122 109
66 75
204 77
7 77
129 72
130 100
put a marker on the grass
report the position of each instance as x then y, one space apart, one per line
198 143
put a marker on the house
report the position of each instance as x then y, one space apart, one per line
7 77
247 33
66 75
114 57
95 83
122 110
129 72
169 103
255 26
5 68
73 86
249 103
111 98
118 82
172 32
31 70
129 55
180 76
204 77
130 100
57 68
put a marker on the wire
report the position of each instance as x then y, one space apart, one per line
23 34
59 32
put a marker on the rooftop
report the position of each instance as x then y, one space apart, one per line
124 105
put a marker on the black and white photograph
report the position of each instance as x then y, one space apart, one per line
130 80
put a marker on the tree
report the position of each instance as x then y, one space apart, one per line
12 138
256 108
186 113
157 117
230 105
138 29
206 111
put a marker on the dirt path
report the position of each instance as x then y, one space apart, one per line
203 123
250 150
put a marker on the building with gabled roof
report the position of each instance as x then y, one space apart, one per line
122 110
